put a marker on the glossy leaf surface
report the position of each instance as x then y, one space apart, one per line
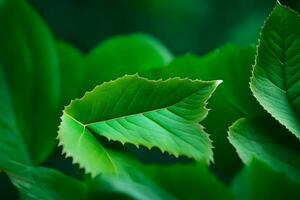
163 114
263 139
276 75
232 100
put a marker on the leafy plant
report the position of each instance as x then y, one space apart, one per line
149 135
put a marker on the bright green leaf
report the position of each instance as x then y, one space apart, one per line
31 68
258 181
42 183
263 140
233 65
276 75
163 114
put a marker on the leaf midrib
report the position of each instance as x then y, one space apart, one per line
283 65
141 113
86 128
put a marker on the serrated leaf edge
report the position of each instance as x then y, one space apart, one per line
87 170
255 63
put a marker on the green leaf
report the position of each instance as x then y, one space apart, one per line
112 58
233 65
29 104
260 139
132 183
163 114
12 147
72 71
109 187
276 75
30 66
189 181
258 181
32 182
43 183
124 55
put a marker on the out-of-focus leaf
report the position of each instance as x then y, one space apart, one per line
231 101
132 183
72 72
32 182
111 187
247 31
276 75
163 114
260 182
196 181
29 103
112 58
31 70
12 147
260 139
124 55
35 183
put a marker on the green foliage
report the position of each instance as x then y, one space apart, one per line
261 139
196 181
124 55
276 75
140 112
113 58
71 70
218 65
131 183
44 183
149 138
30 66
259 181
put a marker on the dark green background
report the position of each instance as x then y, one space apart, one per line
182 25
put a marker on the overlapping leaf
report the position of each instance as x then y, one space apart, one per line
163 114
131 182
30 66
276 75
259 181
32 182
29 105
262 139
72 71
124 55
35 183
12 147
196 181
109 60
233 65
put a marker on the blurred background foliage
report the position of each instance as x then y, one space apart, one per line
196 26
